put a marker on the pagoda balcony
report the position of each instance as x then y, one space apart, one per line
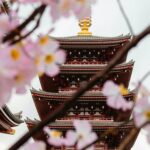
91 105
92 49
71 77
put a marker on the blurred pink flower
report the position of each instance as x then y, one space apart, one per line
5 91
51 58
114 93
141 111
38 145
82 135
21 68
80 8
55 137
148 137
7 23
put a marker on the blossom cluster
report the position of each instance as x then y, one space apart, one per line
58 8
141 106
82 136
22 61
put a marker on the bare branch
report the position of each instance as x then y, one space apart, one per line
125 16
31 31
128 140
16 32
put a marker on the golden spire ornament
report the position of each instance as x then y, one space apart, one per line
85 25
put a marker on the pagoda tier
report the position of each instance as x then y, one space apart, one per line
72 76
90 106
92 49
108 142
8 120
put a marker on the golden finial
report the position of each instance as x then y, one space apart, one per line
85 25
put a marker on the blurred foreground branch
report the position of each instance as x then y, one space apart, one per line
14 35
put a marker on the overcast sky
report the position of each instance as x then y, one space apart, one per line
106 21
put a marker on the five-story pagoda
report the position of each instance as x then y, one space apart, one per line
86 55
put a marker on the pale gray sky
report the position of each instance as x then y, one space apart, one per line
107 21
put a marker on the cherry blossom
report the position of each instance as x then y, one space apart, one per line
58 8
7 23
55 137
141 111
38 145
52 57
5 91
21 65
82 135
114 96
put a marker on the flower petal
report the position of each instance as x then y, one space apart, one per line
71 138
60 57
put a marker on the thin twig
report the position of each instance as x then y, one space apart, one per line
70 102
125 17
21 37
125 145
16 32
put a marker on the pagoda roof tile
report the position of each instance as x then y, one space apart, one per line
91 41
96 124
90 68
63 96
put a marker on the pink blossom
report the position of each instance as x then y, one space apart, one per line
51 58
114 96
80 8
148 137
38 145
82 135
7 23
141 111
5 90
55 137
20 64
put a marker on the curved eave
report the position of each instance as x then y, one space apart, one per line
9 117
84 68
63 96
95 124
91 41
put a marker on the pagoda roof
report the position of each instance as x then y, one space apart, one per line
8 119
63 96
96 124
92 68
94 41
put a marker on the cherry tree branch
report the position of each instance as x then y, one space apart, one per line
31 31
101 75
125 16
15 33
4 7
133 134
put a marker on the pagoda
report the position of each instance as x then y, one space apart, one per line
86 55
8 120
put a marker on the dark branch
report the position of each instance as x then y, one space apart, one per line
16 32
31 31
129 140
